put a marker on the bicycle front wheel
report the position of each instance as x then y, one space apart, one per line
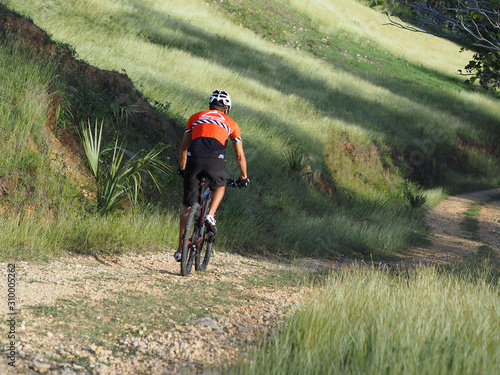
204 253
190 239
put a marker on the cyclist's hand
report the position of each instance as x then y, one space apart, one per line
180 172
243 182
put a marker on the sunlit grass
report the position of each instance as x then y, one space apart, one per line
364 321
43 213
37 237
368 24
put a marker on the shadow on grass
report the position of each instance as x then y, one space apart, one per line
279 74
275 72
269 69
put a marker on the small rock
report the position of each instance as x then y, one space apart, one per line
208 323
40 366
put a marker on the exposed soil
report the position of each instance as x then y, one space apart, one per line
118 85
46 343
449 240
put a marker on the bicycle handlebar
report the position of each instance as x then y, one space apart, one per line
233 183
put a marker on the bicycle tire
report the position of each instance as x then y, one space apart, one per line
190 237
202 266
198 264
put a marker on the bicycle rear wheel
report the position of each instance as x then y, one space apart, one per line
190 240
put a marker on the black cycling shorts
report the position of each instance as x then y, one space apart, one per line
196 168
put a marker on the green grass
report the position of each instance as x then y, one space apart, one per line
327 81
70 231
340 117
367 321
44 210
26 99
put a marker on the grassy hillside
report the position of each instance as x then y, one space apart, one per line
342 118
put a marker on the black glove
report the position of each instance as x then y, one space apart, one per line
180 172
244 182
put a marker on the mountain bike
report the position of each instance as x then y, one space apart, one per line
198 240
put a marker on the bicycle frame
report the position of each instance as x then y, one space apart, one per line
204 199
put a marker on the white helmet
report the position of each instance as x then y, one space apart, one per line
222 98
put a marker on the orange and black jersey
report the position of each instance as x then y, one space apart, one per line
210 132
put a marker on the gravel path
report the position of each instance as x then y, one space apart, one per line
48 335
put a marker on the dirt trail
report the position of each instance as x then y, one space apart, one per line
187 336
449 239
244 298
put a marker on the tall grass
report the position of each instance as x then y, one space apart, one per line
72 231
29 170
43 211
25 100
365 321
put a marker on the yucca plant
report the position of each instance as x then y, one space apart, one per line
122 179
413 194
416 200
92 145
294 161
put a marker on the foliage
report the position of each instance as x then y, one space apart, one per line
475 22
324 72
416 200
123 177
294 161
414 195
485 68
92 146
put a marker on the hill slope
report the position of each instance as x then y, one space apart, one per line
341 119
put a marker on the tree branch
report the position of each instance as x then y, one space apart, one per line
455 19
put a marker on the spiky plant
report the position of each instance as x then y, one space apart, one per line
92 145
294 161
123 178
416 200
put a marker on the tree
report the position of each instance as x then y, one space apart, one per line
475 22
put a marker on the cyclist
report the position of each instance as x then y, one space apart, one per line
202 153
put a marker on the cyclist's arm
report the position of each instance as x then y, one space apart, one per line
240 159
186 141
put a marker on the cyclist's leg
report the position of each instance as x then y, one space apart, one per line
217 195
190 197
218 175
